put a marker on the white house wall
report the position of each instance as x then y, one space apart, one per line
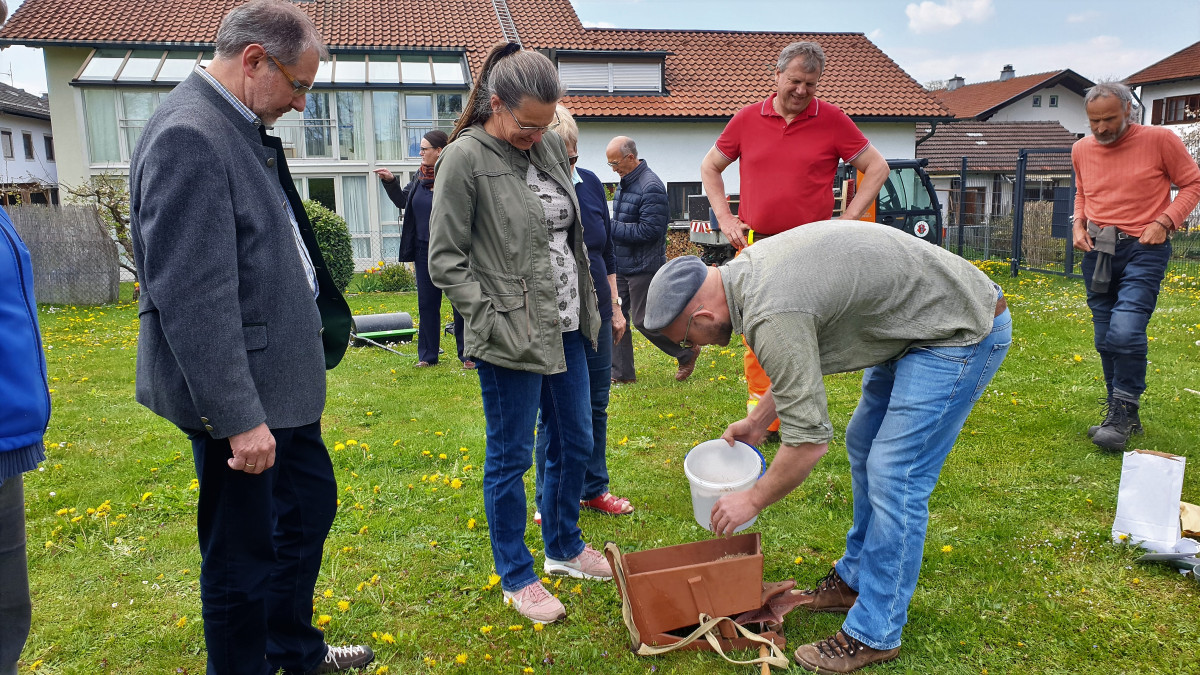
66 113
896 140
1069 113
1151 92
19 169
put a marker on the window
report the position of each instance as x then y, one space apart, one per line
611 76
6 141
401 120
115 120
347 196
1176 110
27 142
1053 101
320 132
389 220
1037 101
48 141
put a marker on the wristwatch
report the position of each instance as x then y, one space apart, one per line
617 302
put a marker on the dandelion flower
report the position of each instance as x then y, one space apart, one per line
516 627
387 637
146 496
471 524
487 657
456 483
947 548
324 620
527 670
441 455
381 670
181 622
362 530
438 433
798 560
1077 358
338 447
460 659
485 629
537 627
351 442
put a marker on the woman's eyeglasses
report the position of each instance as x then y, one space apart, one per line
549 127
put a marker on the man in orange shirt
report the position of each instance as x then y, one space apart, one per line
1124 215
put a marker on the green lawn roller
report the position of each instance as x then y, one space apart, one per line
375 329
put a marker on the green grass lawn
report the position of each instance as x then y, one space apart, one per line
1019 574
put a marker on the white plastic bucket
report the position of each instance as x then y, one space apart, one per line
713 469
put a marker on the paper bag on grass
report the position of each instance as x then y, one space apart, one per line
1148 500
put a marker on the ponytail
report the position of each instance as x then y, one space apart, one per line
525 74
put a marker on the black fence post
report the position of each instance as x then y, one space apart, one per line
1018 212
1069 255
962 200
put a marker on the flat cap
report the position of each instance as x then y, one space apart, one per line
673 287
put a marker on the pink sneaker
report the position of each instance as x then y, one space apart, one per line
535 603
591 564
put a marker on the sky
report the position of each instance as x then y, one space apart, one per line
931 39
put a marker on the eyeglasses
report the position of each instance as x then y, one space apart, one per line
614 164
427 148
298 89
684 343
522 127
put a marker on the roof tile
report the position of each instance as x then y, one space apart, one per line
994 146
1182 65
972 100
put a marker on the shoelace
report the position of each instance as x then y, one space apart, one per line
835 648
536 594
336 653
828 582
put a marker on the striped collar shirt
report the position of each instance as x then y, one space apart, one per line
306 260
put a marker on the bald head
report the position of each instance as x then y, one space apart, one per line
622 155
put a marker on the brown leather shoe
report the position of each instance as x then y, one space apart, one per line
831 594
840 654
686 367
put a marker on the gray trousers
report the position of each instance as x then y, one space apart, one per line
15 607
632 290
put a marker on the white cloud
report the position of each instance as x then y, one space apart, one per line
874 35
598 24
1099 58
1083 17
930 17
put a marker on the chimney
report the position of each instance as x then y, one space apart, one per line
1007 73
955 82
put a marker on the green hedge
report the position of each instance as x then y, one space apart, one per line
333 236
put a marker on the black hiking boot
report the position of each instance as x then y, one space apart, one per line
1135 426
1118 425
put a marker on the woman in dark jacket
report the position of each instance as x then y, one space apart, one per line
417 200
602 262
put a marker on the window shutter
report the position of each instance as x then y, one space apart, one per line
636 77
1156 116
588 76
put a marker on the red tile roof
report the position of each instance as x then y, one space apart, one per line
709 74
994 146
1182 65
981 100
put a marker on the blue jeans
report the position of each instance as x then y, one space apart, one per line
1121 315
911 411
261 539
595 477
510 408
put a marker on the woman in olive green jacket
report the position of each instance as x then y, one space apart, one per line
506 245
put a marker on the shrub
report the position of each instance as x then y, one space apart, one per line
333 238
387 277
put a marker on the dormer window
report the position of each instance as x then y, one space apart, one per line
612 72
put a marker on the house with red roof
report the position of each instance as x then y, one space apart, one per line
402 67
1042 97
1170 89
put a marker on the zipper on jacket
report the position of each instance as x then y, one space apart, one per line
31 312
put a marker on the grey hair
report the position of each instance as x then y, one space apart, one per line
566 126
281 28
628 147
512 74
1109 88
811 53
3 11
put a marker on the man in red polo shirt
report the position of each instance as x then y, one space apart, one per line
789 146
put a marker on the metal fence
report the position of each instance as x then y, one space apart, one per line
74 256
1028 227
